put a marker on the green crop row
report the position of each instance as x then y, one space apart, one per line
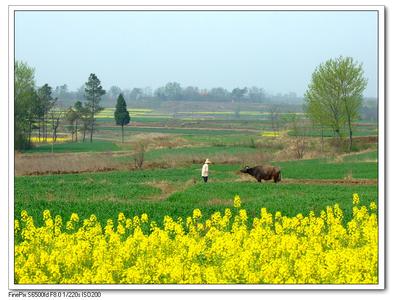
174 130
95 146
323 169
290 199
178 190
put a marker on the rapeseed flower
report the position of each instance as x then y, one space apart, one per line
196 213
237 202
144 218
355 199
304 249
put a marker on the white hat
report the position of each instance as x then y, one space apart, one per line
207 161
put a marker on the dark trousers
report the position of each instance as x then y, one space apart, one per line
204 178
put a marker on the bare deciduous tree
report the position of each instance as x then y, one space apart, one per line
55 115
139 155
299 132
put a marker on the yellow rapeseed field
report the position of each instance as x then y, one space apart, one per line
49 139
270 133
221 250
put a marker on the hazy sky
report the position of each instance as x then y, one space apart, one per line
274 50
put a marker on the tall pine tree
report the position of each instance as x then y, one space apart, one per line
93 93
122 115
45 103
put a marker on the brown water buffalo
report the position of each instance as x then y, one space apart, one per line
263 172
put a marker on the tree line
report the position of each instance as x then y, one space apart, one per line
333 99
81 116
37 110
34 108
175 91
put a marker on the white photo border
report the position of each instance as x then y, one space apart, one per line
380 9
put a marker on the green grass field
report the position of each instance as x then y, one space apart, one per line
140 119
323 169
359 130
178 191
95 146
174 130
367 156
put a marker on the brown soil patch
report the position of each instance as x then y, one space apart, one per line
366 139
332 181
50 196
243 177
65 163
347 181
167 188
340 158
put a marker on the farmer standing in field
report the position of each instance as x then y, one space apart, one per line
205 170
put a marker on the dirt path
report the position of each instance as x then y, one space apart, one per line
333 181
168 188
352 181
341 157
